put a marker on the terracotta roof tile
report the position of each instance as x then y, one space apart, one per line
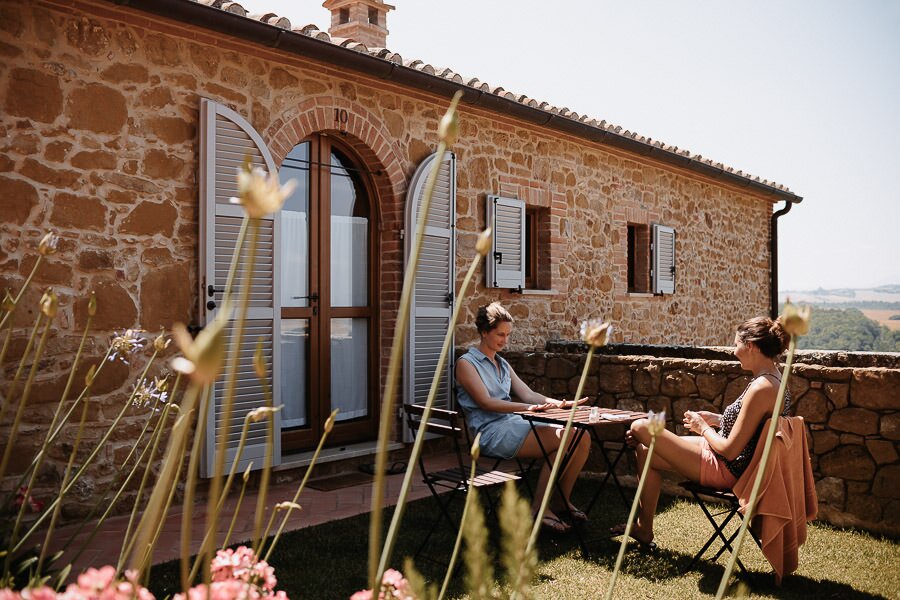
445 73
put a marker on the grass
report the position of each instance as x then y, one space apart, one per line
329 560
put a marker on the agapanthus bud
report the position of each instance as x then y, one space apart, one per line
247 471
259 360
483 245
89 377
261 194
263 412
92 304
595 332
795 320
476 447
9 303
203 357
161 342
288 506
329 422
161 383
448 129
48 244
49 303
656 422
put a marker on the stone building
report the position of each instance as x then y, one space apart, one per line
122 128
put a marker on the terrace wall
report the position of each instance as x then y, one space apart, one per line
850 401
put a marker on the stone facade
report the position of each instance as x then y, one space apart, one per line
851 404
99 128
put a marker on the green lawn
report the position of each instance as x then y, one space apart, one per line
329 561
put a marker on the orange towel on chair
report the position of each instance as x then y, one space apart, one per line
787 495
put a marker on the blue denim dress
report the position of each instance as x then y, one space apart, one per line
502 434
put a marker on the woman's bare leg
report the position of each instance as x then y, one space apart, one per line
550 440
671 453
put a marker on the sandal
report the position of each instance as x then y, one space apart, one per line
554 525
646 546
578 515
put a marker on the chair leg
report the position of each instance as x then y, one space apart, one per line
718 533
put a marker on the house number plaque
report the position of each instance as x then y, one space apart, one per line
341 116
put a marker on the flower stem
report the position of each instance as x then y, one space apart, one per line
266 473
763 461
631 514
237 510
10 393
470 496
190 486
24 287
399 509
563 445
387 406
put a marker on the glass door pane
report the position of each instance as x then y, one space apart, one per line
349 237
295 372
349 368
295 230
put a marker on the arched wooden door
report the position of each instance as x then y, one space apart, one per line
328 300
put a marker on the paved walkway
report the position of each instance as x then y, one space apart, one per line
318 507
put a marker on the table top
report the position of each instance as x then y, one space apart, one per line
559 416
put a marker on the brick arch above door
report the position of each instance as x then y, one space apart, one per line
363 131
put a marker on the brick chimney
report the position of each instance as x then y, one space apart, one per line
364 21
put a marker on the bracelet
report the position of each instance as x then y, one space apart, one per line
704 430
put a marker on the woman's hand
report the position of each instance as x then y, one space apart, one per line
553 403
712 419
694 422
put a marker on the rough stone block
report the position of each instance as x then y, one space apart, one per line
71 211
865 507
798 386
561 368
711 385
17 198
848 462
887 482
150 218
831 491
838 393
854 420
115 308
98 108
647 380
615 378
678 383
813 407
875 388
166 297
824 441
734 388
882 451
34 95
890 426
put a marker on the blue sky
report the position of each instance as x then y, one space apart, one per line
802 92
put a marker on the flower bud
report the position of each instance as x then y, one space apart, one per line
595 332
161 343
89 377
260 193
448 129
48 244
288 506
656 422
476 447
92 304
483 245
49 303
263 412
329 422
247 471
259 361
795 320
9 303
161 383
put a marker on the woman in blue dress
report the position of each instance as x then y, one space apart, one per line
486 386
724 443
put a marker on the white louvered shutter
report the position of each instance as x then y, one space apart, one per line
225 139
663 259
505 265
432 303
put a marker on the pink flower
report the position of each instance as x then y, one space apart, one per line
102 584
393 585
41 593
33 504
8 594
242 565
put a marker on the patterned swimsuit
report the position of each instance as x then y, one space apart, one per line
729 417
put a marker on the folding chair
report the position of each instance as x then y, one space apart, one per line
455 479
719 517
522 470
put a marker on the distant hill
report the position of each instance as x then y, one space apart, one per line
884 297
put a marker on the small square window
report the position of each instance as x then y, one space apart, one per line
344 15
638 258
373 15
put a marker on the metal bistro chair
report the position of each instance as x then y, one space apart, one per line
449 423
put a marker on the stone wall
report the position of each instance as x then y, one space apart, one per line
99 109
850 401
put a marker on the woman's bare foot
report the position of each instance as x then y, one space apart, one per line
642 537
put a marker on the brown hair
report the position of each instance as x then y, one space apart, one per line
490 316
764 333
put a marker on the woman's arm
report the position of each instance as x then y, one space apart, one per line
757 405
468 377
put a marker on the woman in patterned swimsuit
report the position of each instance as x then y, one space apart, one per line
486 384
724 444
